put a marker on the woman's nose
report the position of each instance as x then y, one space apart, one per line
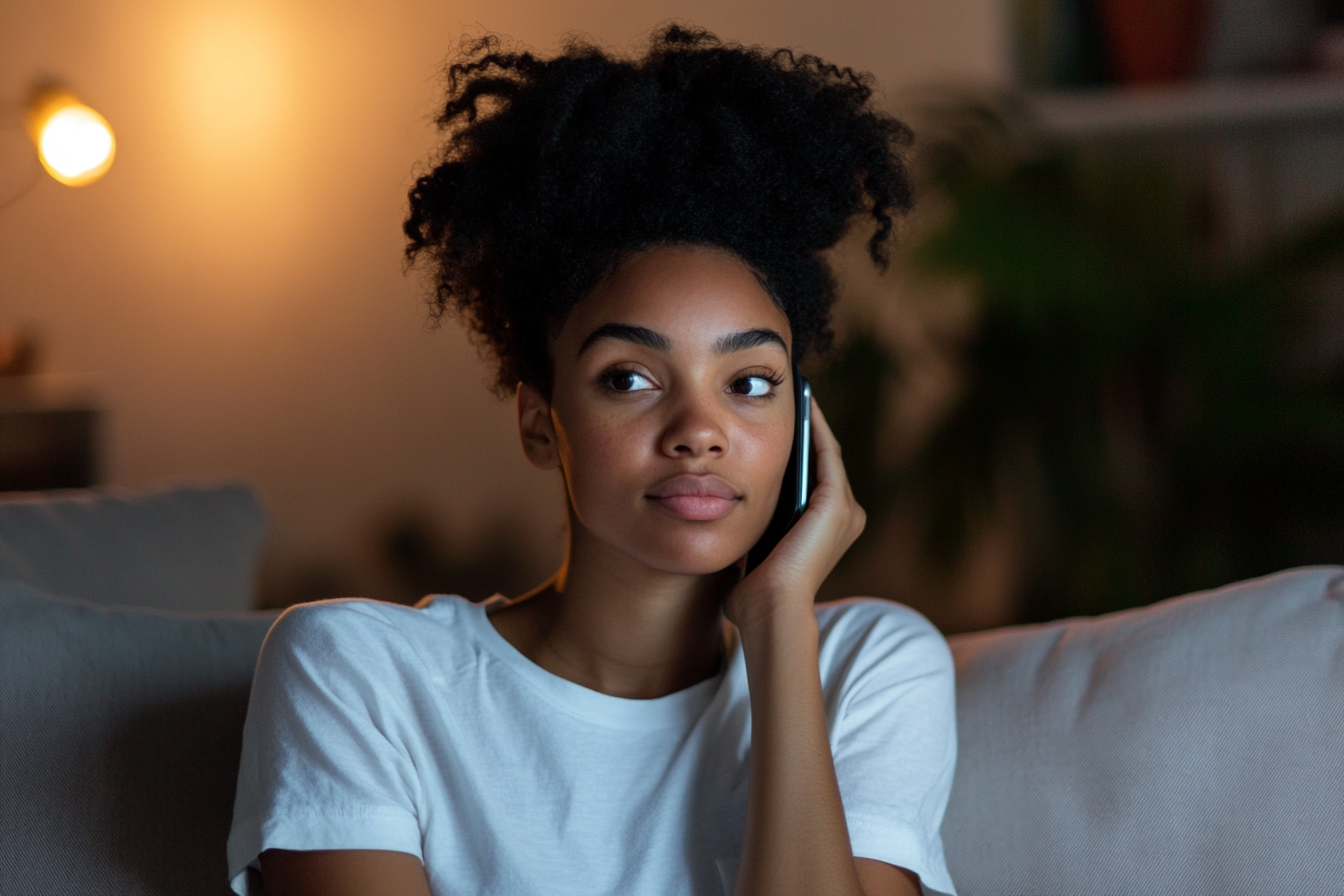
694 430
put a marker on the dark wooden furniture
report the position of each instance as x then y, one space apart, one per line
48 439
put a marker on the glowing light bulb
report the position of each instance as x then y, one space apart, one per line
74 142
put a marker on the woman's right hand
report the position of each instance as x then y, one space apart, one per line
787 581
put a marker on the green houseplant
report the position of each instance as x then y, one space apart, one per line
1149 414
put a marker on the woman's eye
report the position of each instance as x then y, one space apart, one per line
626 381
752 386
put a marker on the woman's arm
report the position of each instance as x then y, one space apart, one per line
796 840
343 872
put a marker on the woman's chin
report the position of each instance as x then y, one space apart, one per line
682 549
691 568
692 557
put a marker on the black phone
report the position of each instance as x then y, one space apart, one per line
800 476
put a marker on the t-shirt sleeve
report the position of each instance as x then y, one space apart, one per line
893 735
323 766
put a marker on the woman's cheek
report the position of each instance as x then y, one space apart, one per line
767 469
605 474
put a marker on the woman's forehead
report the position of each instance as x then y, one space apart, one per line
691 295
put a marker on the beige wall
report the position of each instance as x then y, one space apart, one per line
234 285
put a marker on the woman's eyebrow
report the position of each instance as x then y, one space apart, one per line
736 342
628 333
726 344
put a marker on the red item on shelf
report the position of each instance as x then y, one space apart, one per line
1152 41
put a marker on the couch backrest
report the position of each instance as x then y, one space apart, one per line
1192 746
191 548
120 733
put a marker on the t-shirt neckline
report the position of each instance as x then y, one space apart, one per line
678 709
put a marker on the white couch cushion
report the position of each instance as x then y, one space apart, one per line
179 548
1191 746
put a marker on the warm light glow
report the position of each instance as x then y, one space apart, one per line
74 142
235 84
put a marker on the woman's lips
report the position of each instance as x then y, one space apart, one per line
696 507
690 497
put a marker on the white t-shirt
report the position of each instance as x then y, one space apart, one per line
379 726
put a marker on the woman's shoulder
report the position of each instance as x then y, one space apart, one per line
869 613
359 623
870 631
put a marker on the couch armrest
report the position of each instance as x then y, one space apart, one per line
120 735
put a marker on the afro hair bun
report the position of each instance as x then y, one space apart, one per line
551 170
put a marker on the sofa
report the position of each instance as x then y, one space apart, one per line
1192 746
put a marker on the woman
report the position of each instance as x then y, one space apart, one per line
636 243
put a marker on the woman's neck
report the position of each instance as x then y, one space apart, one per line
614 625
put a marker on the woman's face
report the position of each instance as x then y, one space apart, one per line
672 409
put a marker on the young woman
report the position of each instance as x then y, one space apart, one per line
636 243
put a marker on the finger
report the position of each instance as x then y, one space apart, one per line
830 468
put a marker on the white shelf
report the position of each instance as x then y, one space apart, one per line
1202 106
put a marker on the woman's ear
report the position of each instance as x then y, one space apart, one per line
536 428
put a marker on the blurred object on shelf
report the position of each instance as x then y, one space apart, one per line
1072 44
18 351
49 424
1154 41
1259 37
1058 44
1327 51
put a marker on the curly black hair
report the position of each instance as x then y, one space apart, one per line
552 170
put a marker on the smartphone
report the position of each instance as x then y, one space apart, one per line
800 476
